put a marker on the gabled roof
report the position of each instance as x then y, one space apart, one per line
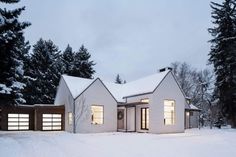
76 85
144 85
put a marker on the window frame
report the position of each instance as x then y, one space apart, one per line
145 127
103 113
174 117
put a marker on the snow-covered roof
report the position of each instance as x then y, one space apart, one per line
148 84
76 85
140 86
192 107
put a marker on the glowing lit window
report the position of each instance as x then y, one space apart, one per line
144 118
146 100
18 121
97 114
187 114
51 122
169 112
70 119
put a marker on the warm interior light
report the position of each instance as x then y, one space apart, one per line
97 114
169 112
146 100
70 119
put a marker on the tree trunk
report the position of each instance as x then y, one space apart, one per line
233 121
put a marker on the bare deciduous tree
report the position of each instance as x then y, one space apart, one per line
81 111
198 85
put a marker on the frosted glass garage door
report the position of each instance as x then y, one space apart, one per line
51 122
18 121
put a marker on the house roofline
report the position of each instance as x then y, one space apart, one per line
91 85
148 92
137 95
86 88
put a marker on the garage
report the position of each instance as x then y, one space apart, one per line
46 117
52 122
18 121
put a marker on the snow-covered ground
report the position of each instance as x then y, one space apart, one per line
192 143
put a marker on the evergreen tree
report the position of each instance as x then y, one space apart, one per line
223 55
12 51
45 72
118 79
82 66
68 60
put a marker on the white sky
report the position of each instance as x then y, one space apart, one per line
131 37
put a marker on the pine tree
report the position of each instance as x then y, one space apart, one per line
45 72
12 50
82 66
223 55
68 60
118 79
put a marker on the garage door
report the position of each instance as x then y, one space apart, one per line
18 121
51 122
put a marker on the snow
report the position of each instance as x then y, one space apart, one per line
18 85
194 143
4 89
144 85
76 85
193 107
2 20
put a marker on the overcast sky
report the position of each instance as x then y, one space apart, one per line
131 37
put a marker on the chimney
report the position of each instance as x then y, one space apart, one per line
165 69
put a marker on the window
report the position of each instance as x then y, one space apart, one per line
70 119
146 100
169 112
51 122
18 121
188 101
187 114
144 118
97 114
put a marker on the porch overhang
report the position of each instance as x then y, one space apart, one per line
132 104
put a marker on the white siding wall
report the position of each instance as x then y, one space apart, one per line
96 94
64 97
168 89
138 109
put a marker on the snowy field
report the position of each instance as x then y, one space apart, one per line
192 143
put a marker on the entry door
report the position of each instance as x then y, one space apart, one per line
144 118
121 119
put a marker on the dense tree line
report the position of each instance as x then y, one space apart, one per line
33 78
223 56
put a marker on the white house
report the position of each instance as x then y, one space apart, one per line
154 104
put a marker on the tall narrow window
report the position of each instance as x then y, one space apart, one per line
169 112
144 118
97 114
70 118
